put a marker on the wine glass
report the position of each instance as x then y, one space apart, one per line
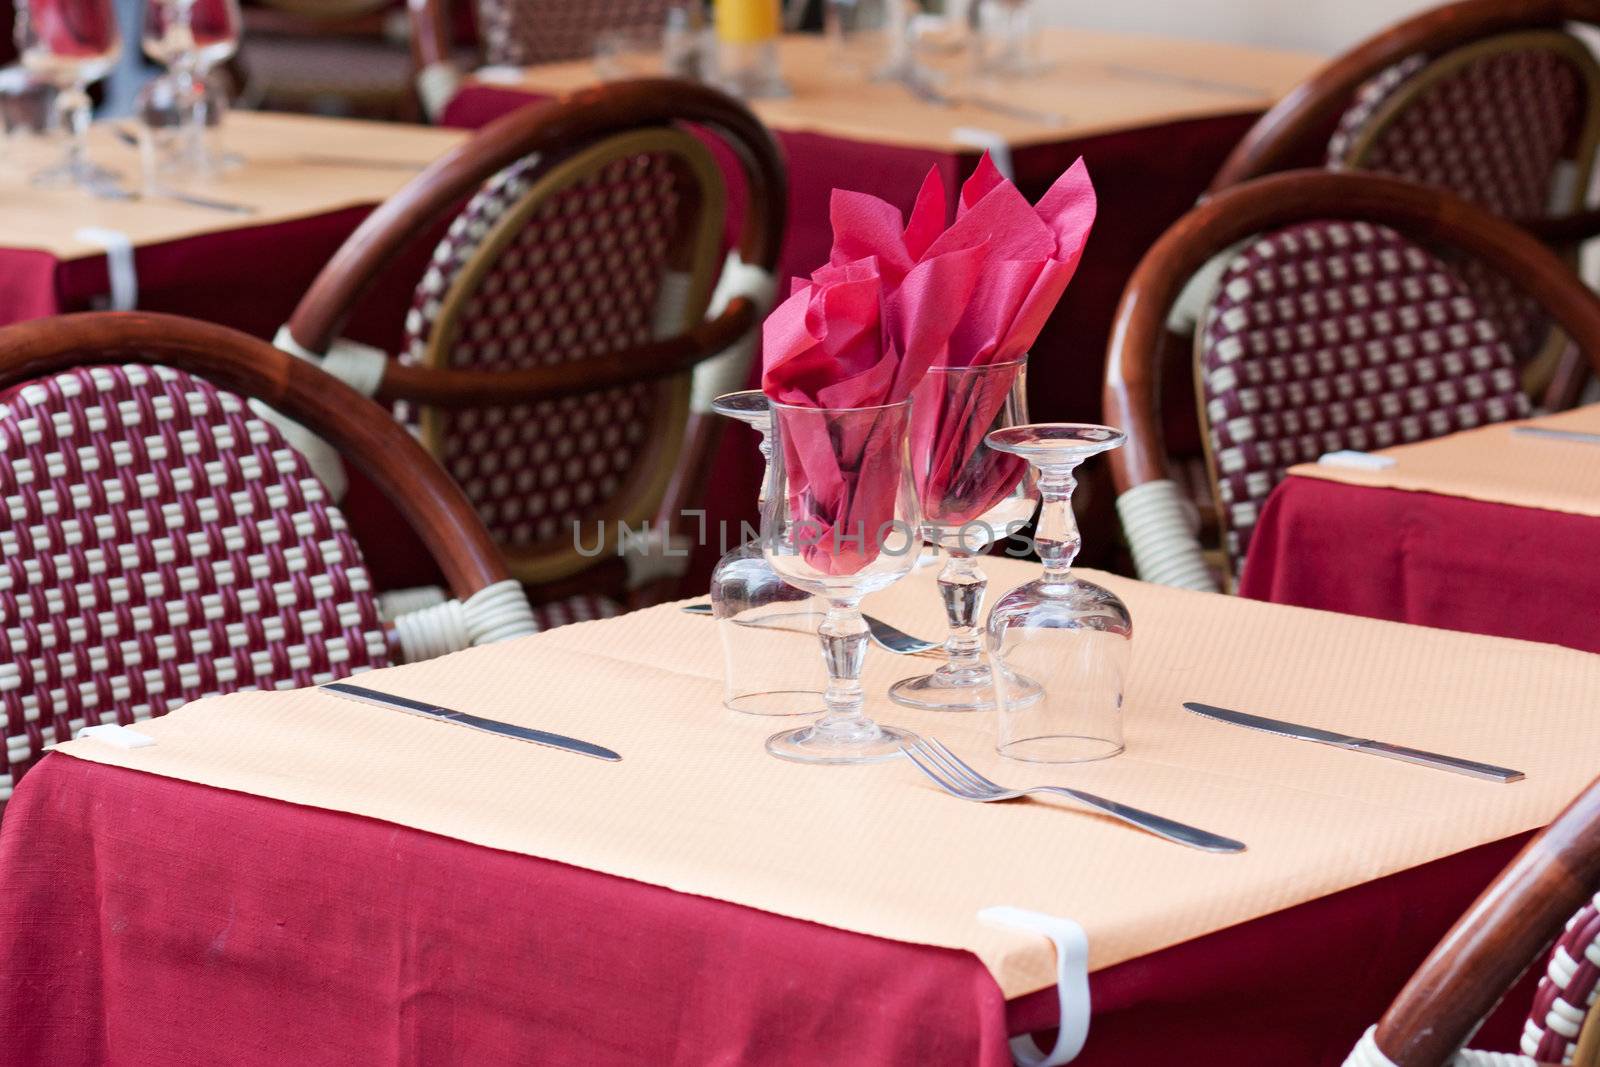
189 38
70 44
841 521
1058 646
971 497
1006 39
757 611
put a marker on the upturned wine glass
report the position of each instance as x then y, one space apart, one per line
757 611
841 521
971 497
189 38
70 44
1059 645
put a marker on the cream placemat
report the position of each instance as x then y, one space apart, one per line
697 806
1494 464
295 166
1095 83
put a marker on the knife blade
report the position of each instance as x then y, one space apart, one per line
1487 771
1557 434
475 722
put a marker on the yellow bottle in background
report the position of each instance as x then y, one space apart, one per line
747 48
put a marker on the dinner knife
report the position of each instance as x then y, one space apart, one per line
492 726
1357 744
1557 434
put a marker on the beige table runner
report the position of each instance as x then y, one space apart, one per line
697 806
295 166
1494 464
1096 83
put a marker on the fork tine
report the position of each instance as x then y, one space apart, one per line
959 771
960 766
932 770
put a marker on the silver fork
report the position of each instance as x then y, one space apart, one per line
957 778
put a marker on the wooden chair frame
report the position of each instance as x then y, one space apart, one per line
1432 217
1505 930
364 433
561 127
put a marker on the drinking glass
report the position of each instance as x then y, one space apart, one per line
971 496
765 670
841 521
1006 40
1058 646
190 38
856 31
70 44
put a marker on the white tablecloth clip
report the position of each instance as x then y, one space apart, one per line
119 264
990 141
1072 984
117 736
1361 461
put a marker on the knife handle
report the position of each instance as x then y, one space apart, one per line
1486 771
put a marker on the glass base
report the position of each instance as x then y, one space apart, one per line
810 745
946 690
778 702
1061 748
86 175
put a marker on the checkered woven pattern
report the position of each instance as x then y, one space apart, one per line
1326 336
582 278
1494 132
161 544
523 32
1566 991
581 608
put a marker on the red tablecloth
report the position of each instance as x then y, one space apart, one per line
146 920
1429 559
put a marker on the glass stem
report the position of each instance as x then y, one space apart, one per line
73 107
962 585
1056 535
844 648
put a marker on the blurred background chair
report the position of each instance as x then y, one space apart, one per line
1497 101
576 320
164 541
331 57
1334 324
1546 895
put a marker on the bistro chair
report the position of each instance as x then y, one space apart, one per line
341 57
1334 325
516 33
164 541
577 319
1547 895
1497 101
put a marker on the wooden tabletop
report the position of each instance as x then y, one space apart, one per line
294 166
1091 83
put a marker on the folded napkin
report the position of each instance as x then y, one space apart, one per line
1030 254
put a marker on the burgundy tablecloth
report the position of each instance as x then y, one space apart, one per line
150 921
1429 559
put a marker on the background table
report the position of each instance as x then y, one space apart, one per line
1486 531
1152 117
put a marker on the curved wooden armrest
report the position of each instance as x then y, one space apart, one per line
1279 137
362 432
1514 920
1426 214
448 388
547 127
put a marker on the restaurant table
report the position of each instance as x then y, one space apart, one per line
1487 531
294 874
309 180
